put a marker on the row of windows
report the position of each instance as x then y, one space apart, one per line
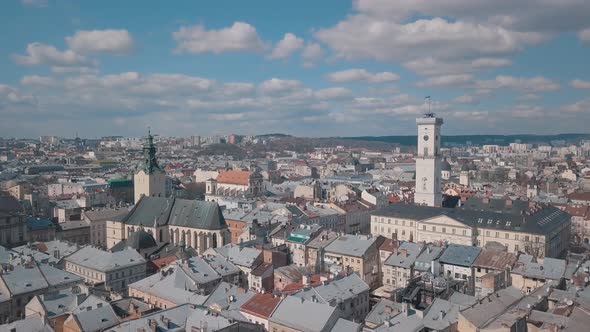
435 229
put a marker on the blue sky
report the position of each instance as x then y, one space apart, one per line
308 68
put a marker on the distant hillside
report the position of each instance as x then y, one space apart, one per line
475 139
223 149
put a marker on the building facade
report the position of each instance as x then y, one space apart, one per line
13 226
518 226
428 161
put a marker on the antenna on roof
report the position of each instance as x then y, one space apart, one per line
429 114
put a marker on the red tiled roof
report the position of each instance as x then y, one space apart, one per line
315 280
583 196
261 305
578 210
234 177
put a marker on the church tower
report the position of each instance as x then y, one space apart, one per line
149 179
428 161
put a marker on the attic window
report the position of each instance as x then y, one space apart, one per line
508 223
480 220
28 284
104 320
490 221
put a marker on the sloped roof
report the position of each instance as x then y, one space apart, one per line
303 315
177 212
261 305
460 255
197 214
493 259
234 177
100 260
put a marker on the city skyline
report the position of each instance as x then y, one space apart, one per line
214 68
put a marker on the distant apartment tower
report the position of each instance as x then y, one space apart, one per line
428 161
149 180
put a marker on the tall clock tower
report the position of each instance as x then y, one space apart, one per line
428 161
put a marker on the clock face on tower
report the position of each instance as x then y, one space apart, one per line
425 137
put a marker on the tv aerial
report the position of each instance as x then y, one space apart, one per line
429 114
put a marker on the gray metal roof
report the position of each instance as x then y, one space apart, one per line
459 255
33 323
55 277
150 211
551 268
176 316
97 318
399 260
303 315
378 313
492 306
239 256
343 325
61 302
351 245
221 265
170 287
424 260
337 290
440 315
103 261
228 297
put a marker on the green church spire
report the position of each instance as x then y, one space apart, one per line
150 163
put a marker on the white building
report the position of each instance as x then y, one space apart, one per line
116 270
428 163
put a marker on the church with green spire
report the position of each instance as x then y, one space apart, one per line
150 162
149 178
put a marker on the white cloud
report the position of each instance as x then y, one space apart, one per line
101 41
580 84
532 85
11 96
238 88
68 70
466 99
311 54
276 85
387 40
286 46
584 35
523 15
333 93
490 62
445 80
39 54
582 106
38 80
361 75
240 36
